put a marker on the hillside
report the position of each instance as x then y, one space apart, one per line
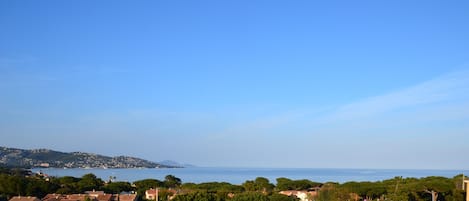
55 159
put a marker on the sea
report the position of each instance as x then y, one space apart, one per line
240 175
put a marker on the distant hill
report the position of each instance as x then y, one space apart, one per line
174 163
49 158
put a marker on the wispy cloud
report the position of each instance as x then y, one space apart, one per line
447 89
445 98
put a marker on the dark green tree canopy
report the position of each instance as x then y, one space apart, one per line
260 184
288 184
170 181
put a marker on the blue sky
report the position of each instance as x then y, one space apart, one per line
342 84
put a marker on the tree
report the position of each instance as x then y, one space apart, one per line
260 184
68 185
250 196
164 195
280 197
368 190
117 187
89 182
214 187
284 184
148 183
196 196
170 181
333 192
143 185
263 184
435 185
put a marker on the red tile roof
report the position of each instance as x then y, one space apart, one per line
129 197
24 198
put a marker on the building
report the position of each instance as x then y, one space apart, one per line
24 198
94 193
465 187
128 197
89 196
78 197
302 195
151 194
53 197
106 197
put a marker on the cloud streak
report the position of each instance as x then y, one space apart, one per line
447 89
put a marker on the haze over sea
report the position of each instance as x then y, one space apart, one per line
240 175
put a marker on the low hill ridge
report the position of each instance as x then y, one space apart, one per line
55 159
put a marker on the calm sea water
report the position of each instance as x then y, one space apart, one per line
240 175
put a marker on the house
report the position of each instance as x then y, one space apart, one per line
128 197
466 187
78 197
151 194
94 193
302 195
72 197
53 197
105 197
24 198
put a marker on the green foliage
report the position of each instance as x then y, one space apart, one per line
170 181
247 196
214 187
89 182
368 190
13 185
280 197
197 196
143 185
334 192
117 187
40 187
15 171
260 184
163 195
250 196
15 182
439 184
68 185
284 184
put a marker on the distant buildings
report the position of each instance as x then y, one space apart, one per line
151 194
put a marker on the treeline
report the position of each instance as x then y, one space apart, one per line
15 182
397 189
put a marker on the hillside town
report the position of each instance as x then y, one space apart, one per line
46 158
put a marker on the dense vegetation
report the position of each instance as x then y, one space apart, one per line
20 182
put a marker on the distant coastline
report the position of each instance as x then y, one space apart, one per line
46 158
